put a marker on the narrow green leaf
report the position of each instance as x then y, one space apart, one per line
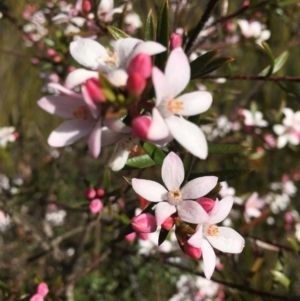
128 180
223 175
278 63
289 92
215 64
200 62
162 236
149 28
226 148
125 231
267 50
294 243
116 32
280 277
142 161
154 152
163 33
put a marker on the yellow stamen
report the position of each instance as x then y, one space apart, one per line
175 106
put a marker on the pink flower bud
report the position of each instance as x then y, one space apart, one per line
42 289
192 251
136 84
206 203
144 236
96 206
140 127
131 236
90 193
86 6
141 64
144 223
37 297
175 41
100 192
168 223
51 52
94 89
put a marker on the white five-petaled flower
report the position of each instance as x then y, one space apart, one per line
169 108
175 198
254 118
224 239
7 134
93 55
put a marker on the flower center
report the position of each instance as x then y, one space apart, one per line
81 113
174 197
175 106
212 230
111 61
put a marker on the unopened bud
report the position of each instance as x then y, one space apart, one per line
140 127
131 236
96 206
100 192
51 52
86 6
144 223
168 223
175 41
94 90
37 297
90 193
192 251
42 289
206 203
141 64
143 236
136 84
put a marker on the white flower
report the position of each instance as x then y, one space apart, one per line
254 118
173 199
253 206
7 134
254 30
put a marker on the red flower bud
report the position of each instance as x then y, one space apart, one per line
144 223
96 206
168 223
131 236
192 251
42 289
206 203
175 40
140 127
94 89
90 193
86 6
141 64
100 192
136 84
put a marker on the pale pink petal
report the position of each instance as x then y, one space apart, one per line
117 126
148 47
69 132
279 129
162 211
199 187
150 190
95 140
160 86
192 212
158 129
62 106
177 72
172 171
118 77
124 47
42 289
188 135
195 103
62 89
79 76
37 297
282 141
89 54
196 239
119 158
228 240
94 109
225 206
209 259
108 137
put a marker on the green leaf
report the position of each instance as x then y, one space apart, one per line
294 243
289 92
214 65
142 161
128 180
125 231
280 277
149 28
223 175
226 148
267 50
278 63
116 32
200 62
287 2
163 33
154 152
162 236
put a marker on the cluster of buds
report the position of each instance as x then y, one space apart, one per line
94 196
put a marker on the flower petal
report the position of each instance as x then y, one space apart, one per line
160 85
118 77
79 76
198 187
158 129
95 139
109 137
119 158
150 190
195 102
188 135
225 206
192 212
94 109
62 106
124 47
59 88
209 259
87 53
162 211
228 240
197 238
178 71
172 171
69 132
117 126
148 47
